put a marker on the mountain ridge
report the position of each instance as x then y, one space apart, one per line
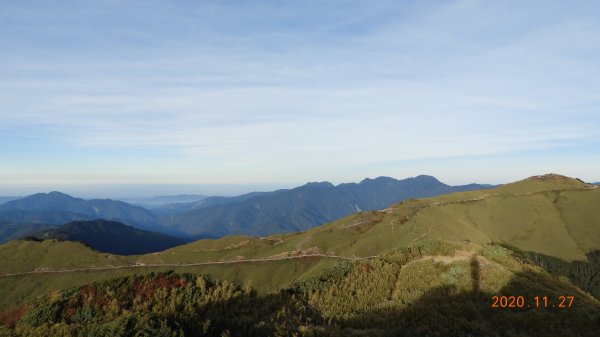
303 207
255 213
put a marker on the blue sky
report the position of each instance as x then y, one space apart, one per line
278 93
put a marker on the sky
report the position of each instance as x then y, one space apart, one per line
224 97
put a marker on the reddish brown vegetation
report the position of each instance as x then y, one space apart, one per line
367 267
10 317
90 293
71 308
146 290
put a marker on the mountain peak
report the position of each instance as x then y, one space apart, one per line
53 194
549 176
557 179
56 206
544 182
428 178
42 200
319 184
378 179
59 194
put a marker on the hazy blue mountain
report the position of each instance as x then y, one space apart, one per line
378 193
59 208
111 237
204 203
163 200
303 207
49 217
7 199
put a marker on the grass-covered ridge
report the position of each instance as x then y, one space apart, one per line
434 288
551 215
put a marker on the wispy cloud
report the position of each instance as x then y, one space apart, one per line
267 88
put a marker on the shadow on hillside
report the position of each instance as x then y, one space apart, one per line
280 314
443 311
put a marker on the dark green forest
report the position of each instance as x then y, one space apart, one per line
584 274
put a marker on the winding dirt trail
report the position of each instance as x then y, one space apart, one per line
207 263
423 206
488 195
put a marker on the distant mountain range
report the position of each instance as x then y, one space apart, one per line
257 213
111 237
300 208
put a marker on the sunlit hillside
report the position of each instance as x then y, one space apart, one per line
550 215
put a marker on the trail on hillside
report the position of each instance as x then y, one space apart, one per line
159 265
487 195
420 207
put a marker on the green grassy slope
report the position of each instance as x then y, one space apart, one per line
32 255
433 288
553 215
